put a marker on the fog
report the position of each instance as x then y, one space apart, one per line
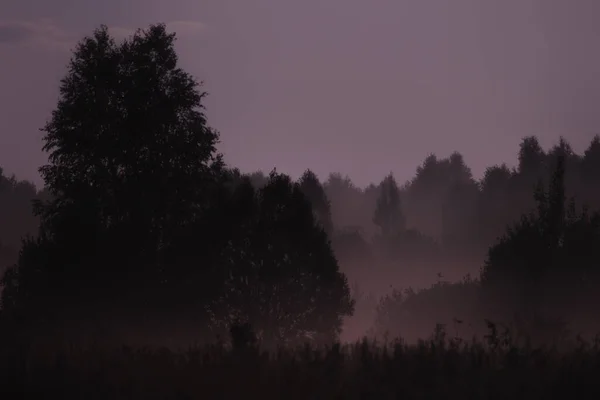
432 239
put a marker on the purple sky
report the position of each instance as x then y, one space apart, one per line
360 87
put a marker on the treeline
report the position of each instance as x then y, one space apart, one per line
143 232
446 217
442 225
453 216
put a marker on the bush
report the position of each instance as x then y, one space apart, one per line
412 314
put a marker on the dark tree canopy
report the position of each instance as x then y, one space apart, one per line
548 261
591 159
531 156
459 214
314 192
388 213
128 137
131 162
495 180
280 271
430 188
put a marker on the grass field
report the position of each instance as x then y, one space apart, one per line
438 368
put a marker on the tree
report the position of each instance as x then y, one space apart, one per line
591 161
459 198
546 264
279 271
424 194
388 214
590 174
352 250
314 192
132 161
531 157
348 203
458 171
17 220
412 314
459 215
495 210
16 217
258 179
355 255
129 134
572 164
431 187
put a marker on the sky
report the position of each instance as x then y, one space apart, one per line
353 86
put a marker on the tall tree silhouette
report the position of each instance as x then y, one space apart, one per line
591 161
131 162
590 174
279 270
531 157
388 214
459 205
314 192
430 188
128 134
494 208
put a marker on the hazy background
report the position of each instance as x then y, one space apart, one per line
359 87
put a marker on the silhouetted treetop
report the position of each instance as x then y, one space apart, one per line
279 270
314 192
429 190
388 212
459 170
128 134
495 179
132 162
531 156
591 159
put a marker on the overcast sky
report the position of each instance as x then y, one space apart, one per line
355 86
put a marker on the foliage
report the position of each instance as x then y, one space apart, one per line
132 162
388 213
279 270
412 313
547 264
314 192
128 137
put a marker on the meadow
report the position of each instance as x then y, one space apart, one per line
440 367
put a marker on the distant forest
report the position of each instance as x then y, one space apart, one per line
144 226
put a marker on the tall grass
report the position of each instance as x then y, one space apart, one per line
440 367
